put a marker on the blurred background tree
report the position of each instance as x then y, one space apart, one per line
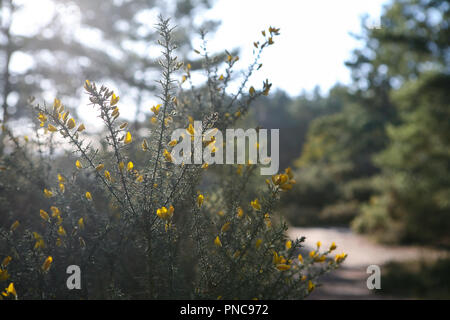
87 40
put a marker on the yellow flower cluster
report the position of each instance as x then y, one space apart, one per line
217 242
62 116
255 204
200 199
166 215
40 244
280 262
128 138
61 181
4 275
10 290
167 155
47 264
283 181
340 257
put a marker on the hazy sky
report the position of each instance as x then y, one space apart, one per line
314 41
311 50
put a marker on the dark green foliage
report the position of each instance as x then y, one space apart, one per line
384 157
417 279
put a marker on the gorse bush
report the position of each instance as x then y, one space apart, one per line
137 225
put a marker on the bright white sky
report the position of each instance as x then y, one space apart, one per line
313 45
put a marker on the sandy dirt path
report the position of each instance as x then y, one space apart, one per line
349 282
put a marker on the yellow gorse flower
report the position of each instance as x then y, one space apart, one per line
217 242
123 125
322 258
155 109
130 166
333 246
81 128
4 275
10 290
340 257
167 155
55 211
48 193
107 175
65 116
128 138
88 196
190 129
279 260
81 223
44 215
225 227
100 167
288 244
62 231
200 199
40 244
267 220
255 204
115 113
15 225
284 181
61 178
47 264
164 213
258 243
144 145
51 128
56 104
6 261
283 267
240 212
78 164
114 99
311 286
71 124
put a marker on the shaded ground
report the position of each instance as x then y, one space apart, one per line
349 282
